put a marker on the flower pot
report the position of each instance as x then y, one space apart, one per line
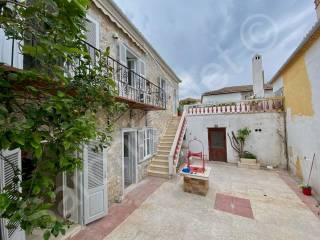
307 191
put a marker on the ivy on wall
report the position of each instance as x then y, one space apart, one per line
48 110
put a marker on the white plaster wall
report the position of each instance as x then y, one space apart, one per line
267 145
222 98
304 131
278 84
268 93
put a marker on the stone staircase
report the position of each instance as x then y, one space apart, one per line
159 166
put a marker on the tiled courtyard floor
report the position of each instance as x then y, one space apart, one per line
263 206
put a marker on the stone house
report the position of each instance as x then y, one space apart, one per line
150 89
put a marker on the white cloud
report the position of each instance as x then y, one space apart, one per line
186 34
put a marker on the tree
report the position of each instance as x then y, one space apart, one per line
238 142
48 110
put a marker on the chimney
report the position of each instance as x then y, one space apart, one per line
258 76
317 3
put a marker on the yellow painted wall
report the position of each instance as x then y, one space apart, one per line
297 88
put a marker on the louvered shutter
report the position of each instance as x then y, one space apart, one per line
95 189
155 141
142 68
141 136
122 54
6 176
92 38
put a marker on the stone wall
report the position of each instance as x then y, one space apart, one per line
131 119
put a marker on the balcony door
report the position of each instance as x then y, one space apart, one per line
217 144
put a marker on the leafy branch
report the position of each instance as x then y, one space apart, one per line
49 109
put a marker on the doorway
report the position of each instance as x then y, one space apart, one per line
217 144
129 157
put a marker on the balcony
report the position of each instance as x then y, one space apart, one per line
132 88
275 104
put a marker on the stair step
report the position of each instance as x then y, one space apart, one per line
165 148
169 136
160 168
165 144
160 162
163 152
162 156
158 174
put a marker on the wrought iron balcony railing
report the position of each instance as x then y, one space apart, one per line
132 88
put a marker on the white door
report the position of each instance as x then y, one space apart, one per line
95 188
13 160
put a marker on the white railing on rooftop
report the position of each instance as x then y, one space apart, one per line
275 104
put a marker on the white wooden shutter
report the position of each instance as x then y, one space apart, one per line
141 145
95 189
6 176
142 68
155 141
92 37
6 53
122 54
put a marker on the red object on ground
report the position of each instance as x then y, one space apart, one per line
234 205
307 191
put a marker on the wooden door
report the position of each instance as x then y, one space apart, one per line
217 144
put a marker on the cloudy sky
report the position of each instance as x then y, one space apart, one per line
210 43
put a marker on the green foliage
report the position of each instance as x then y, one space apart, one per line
188 101
243 134
47 113
249 155
238 141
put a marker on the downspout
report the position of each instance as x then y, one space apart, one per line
286 137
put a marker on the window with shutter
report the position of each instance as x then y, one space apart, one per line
155 141
6 55
141 144
142 68
122 54
8 161
92 37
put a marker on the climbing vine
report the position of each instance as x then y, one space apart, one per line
49 108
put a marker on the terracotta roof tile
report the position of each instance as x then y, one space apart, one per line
235 89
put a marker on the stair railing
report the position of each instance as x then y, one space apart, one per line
177 143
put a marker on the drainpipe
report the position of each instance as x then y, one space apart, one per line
286 138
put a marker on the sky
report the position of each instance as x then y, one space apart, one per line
209 44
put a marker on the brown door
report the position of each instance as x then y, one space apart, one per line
217 144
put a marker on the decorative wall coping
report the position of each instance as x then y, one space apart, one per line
275 104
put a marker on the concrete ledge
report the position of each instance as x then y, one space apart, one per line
256 165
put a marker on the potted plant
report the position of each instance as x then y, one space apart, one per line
238 143
306 188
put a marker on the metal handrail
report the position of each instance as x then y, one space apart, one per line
176 142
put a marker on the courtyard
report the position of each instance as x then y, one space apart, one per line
274 210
